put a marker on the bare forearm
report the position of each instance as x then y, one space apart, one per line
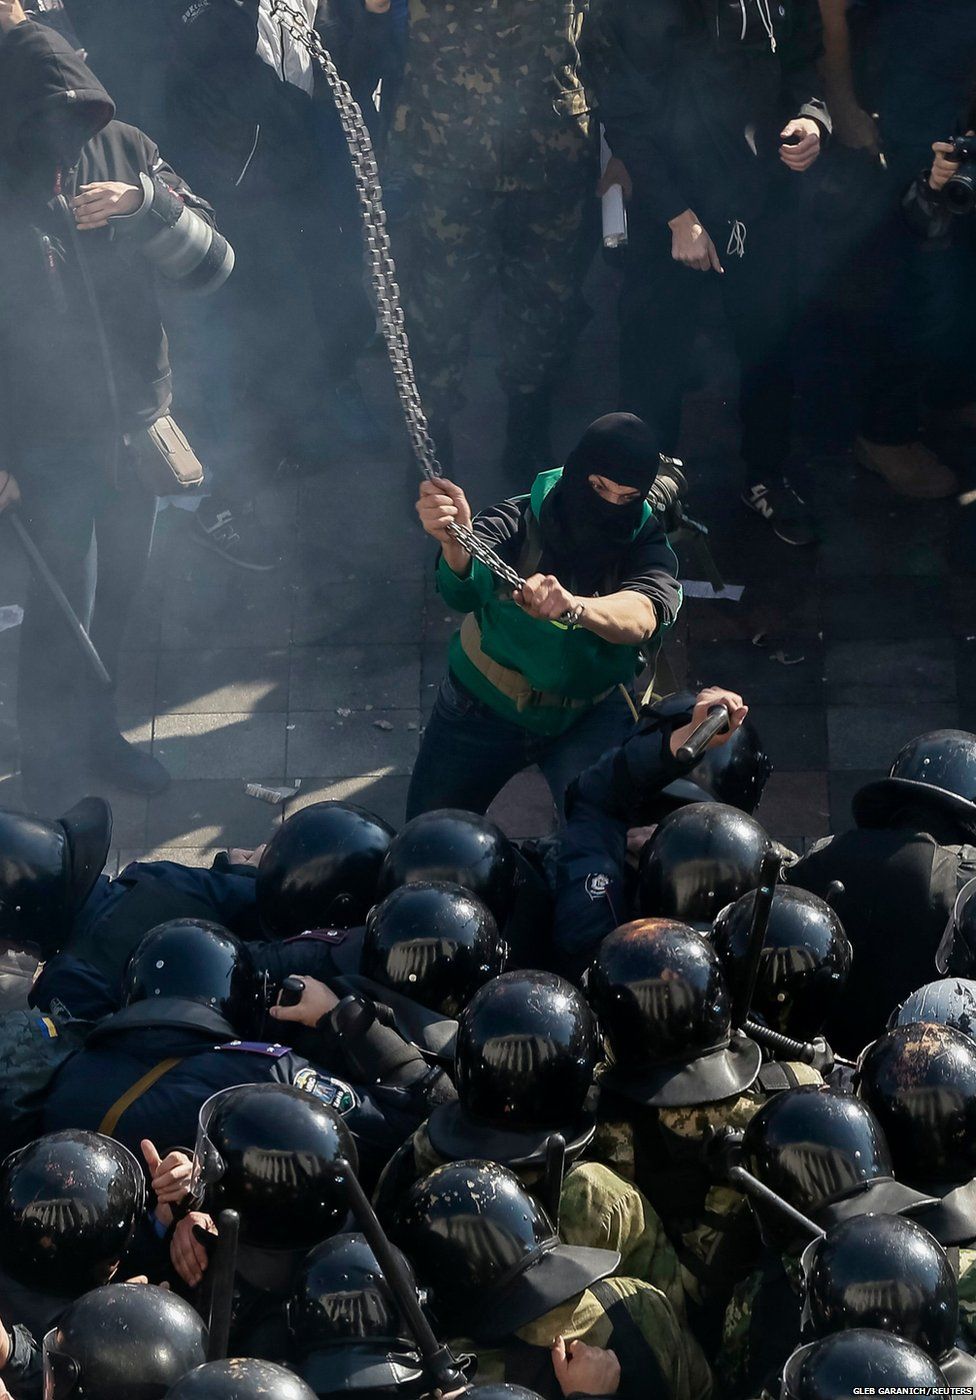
626 618
457 559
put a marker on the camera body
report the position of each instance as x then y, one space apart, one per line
960 189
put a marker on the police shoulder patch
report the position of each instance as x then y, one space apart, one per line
334 1092
597 885
256 1047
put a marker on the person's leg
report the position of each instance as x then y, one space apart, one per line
539 232
563 759
467 755
55 686
658 317
449 270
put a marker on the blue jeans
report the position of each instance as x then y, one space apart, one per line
469 752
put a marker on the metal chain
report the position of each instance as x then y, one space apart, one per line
383 274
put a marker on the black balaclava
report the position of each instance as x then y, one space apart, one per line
580 527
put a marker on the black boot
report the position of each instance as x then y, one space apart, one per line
115 760
528 449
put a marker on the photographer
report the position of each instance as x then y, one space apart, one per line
540 676
712 111
90 216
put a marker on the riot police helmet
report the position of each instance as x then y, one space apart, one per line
70 1203
882 1271
126 1341
270 1152
948 1002
839 1366
700 858
661 996
956 954
241 1378
936 772
433 942
920 1081
526 1052
825 1154
320 869
489 1252
461 848
735 772
804 963
47 871
189 960
346 1328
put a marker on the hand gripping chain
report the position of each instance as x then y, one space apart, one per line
383 275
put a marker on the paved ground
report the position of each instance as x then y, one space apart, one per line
323 673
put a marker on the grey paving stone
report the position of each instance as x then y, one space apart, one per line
795 803
794 736
325 745
210 812
386 795
753 671
221 681
326 678
217 602
230 745
762 608
330 552
899 609
524 807
381 611
869 736
843 784
869 672
895 541
200 856
135 683
128 816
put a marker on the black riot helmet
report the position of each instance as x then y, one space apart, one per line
837 1367
459 847
825 1154
661 995
949 1002
526 1051
699 859
488 1251
47 871
193 961
804 962
936 771
433 942
735 772
69 1206
956 955
128 1341
269 1151
881 1271
320 869
242 1378
345 1325
920 1081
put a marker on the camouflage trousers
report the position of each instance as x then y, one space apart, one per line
464 244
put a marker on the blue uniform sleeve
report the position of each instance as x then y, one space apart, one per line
590 884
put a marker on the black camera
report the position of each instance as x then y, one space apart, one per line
960 189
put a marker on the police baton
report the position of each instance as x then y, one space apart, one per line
753 1187
552 1186
743 992
42 569
222 1273
715 722
808 1052
439 1363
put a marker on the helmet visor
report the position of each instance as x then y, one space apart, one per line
944 957
61 1372
208 1164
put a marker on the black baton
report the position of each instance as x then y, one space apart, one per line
223 1271
752 1186
43 571
742 994
716 722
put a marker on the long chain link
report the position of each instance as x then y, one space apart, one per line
383 274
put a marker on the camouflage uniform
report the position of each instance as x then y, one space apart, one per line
749 1347
598 1209
493 125
658 1356
660 1149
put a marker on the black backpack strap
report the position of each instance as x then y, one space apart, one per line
775 1076
640 1369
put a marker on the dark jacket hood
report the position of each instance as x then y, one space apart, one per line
51 103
